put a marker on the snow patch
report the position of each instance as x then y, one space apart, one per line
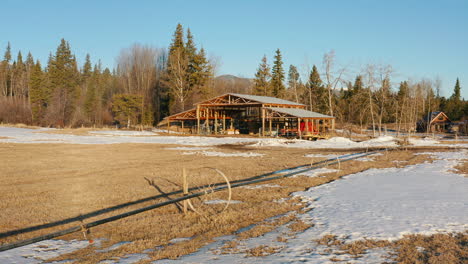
179 239
41 251
189 148
317 172
422 142
388 203
329 156
222 154
123 133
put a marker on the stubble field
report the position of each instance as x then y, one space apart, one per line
42 183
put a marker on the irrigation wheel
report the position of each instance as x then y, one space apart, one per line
210 203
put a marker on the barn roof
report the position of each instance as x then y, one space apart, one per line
265 99
243 99
301 113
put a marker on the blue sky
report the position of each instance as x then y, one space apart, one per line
420 39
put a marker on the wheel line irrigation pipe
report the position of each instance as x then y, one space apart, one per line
253 180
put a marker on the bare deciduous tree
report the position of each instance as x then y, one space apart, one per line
331 78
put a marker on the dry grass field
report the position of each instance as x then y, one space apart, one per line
41 183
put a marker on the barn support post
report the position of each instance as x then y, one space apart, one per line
216 122
299 127
271 125
198 119
224 123
168 125
333 124
263 121
182 123
207 120
306 126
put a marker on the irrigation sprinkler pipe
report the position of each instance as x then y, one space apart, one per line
175 200
120 206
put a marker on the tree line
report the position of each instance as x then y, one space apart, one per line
369 99
150 83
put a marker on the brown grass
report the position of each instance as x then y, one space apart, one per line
329 240
19 125
462 168
262 251
48 182
83 131
299 226
437 248
268 225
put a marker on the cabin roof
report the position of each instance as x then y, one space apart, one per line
434 115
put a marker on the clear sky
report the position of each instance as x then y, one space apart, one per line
420 39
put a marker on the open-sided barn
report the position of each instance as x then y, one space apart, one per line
233 113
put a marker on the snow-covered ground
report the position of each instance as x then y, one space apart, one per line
376 204
38 252
222 154
24 135
123 133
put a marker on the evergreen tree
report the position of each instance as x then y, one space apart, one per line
202 72
262 79
7 56
192 61
37 95
176 79
63 75
29 60
317 94
178 40
87 68
294 83
190 47
456 96
454 106
277 76
5 72
357 87
127 108
403 91
18 85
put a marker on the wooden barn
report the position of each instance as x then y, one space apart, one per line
233 113
434 122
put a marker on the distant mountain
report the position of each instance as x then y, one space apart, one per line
228 83
229 77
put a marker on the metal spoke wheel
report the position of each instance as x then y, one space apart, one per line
210 203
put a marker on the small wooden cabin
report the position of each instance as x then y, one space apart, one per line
434 122
233 113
